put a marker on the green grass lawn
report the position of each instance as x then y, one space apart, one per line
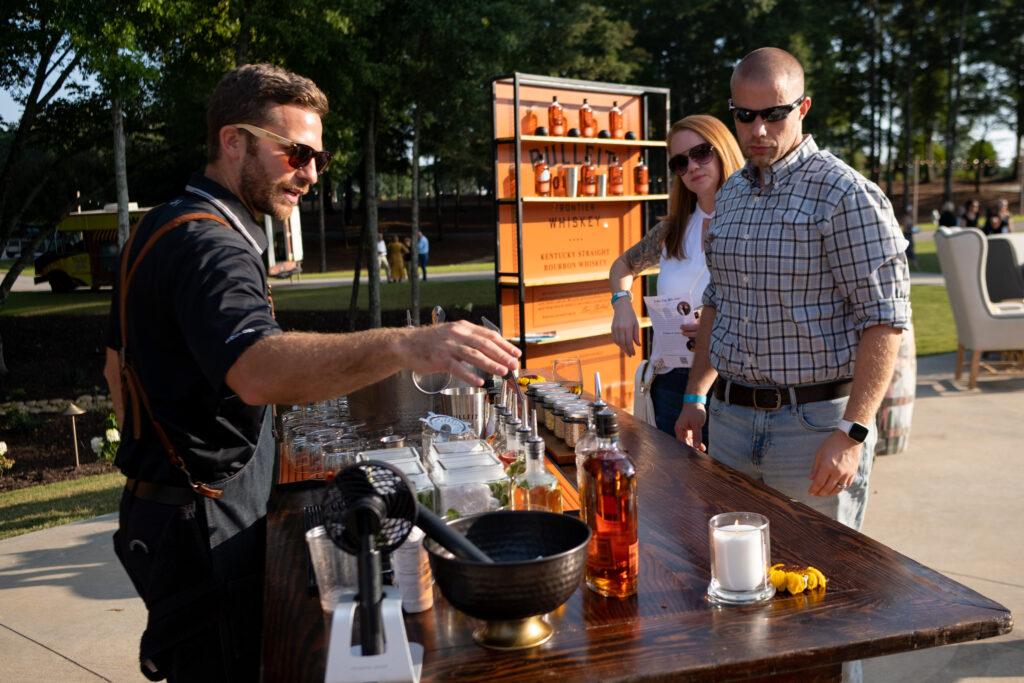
934 330
41 507
394 297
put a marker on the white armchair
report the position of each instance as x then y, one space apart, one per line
980 324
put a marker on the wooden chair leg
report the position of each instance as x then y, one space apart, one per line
972 382
959 360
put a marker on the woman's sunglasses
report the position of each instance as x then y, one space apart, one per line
698 154
299 155
769 115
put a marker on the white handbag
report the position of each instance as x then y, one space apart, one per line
643 404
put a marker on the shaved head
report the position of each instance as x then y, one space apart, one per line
770 65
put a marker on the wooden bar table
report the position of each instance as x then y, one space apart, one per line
878 602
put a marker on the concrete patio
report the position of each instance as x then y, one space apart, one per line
953 501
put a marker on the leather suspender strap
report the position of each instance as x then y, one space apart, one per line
130 381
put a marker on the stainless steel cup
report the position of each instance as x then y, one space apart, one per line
571 180
468 404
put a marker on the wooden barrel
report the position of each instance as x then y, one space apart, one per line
897 410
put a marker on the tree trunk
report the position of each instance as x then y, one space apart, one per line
414 276
875 99
370 194
953 103
120 171
438 216
324 189
890 161
908 129
353 302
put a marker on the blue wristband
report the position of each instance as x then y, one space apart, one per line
694 398
621 295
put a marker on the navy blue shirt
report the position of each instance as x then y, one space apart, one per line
198 300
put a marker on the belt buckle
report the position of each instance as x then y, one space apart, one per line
777 395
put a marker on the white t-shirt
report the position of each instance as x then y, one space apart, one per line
382 249
685 278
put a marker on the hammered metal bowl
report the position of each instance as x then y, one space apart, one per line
539 559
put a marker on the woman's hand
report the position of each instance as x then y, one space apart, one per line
625 326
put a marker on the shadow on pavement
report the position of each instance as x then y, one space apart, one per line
89 569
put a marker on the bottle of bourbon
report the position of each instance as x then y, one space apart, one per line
609 499
641 178
588 123
588 178
542 178
615 125
556 118
616 182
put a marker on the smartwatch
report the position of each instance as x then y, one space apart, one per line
854 430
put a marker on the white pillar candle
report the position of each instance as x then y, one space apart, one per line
739 557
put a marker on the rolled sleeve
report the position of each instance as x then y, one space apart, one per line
866 253
222 308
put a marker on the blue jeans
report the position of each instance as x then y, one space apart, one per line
667 391
777 447
422 258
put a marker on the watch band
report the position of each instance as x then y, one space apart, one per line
622 293
854 430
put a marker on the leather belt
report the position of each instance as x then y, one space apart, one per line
159 493
772 397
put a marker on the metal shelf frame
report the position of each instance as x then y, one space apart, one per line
646 93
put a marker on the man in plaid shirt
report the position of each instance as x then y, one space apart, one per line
809 294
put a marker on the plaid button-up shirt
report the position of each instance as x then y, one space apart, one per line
799 268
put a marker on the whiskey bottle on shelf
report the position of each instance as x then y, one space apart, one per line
588 124
641 178
556 118
530 122
609 498
542 178
588 178
616 181
509 185
536 488
615 124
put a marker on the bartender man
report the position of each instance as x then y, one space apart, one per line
195 359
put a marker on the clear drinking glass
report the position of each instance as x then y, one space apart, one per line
740 558
335 570
568 372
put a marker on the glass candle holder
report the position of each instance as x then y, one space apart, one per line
740 556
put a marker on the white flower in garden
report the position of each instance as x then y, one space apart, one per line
3 448
97 444
113 436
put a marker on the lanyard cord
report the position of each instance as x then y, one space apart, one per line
229 214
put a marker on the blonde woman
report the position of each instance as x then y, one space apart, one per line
702 154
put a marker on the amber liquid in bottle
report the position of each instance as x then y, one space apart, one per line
611 513
542 177
588 124
641 179
588 178
556 118
616 183
530 122
615 123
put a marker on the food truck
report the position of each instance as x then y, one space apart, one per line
82 252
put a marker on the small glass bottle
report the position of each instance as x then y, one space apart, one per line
556 118
616 178
536 488
497 438
615 125
588 177
588 443
641 178
588 127
613 561
522 436
530 122
511 450
542 178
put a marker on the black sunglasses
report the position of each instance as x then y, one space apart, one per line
769 115
698 154
299 155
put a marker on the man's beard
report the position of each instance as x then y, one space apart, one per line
259 192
